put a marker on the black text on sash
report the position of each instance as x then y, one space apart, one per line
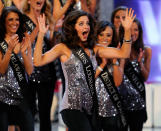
17 67
113 92
135 79
89 73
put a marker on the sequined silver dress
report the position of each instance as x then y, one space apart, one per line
132 100
77 95
106 106
10 92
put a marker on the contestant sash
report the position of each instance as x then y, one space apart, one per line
89 73
16 66
135 79
108 82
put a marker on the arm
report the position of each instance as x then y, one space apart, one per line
1 6
100 67
39 58
59 11
118 71
4 60
145 67
26 52
124 51
91 8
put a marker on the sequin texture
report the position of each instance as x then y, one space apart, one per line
77 91
132 99
10 92
106 106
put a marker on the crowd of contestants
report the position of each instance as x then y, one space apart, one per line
103 66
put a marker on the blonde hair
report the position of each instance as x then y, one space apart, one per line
46 9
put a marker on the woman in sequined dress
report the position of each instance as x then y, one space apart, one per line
108 113
136 72
15 65
78 33
42 80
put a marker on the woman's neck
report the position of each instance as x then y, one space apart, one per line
34 14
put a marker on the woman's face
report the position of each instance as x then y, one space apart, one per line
36 4
105 37
117 18
134 32
12 23
83 28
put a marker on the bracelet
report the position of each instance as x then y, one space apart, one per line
100 68
127 41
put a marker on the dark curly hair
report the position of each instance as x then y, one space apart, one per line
69 33
21 30
101 26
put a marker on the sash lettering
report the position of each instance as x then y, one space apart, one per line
113 92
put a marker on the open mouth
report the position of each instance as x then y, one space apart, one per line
38 3
85 33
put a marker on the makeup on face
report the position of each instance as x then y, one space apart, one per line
105 37
83 28
12 23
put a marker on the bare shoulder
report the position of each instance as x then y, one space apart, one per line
61 47
63 51
148 50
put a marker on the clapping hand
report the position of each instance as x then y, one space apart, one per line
26 44
141 53
14 40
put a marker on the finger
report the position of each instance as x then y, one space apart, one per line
126 12
130 12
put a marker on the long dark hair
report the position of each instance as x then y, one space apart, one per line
21 29
101 26
69 33
139 43
116 10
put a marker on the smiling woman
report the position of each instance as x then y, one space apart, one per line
77 53
15 66
12 23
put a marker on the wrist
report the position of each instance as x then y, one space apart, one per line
99 68
115 63
9 51
41 33
127 40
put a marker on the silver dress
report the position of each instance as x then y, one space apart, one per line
132 100
77 94
10 92
106 106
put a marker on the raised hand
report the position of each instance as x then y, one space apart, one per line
127 22
43 28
